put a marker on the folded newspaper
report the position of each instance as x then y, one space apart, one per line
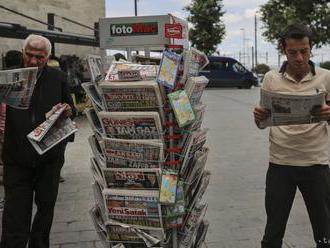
16 86
132 125
52 131
290 109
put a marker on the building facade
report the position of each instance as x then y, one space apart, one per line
82 11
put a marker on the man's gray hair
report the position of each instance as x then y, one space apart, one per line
38 42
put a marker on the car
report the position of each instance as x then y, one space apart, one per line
228 72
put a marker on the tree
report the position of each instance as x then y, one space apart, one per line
208 29
276 14
325 65
261 69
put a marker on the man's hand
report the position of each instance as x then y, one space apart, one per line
66 113
322 113
260 114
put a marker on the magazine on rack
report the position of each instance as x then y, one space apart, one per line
118 71
199 116
52 131
99 225
131 96
121 232
97 172
132 125
132 178
16 86
93 95
168 71
96 146
197 189
290 109
168 187
195 142
137 207
173 214
201 234
192 222
182 109
196 166
193 62
97 191
95 67
139 154
94 121
194 88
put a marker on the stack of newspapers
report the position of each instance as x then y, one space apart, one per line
149 157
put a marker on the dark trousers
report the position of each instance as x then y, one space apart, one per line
21 185
281 184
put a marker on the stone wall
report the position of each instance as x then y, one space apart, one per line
85 12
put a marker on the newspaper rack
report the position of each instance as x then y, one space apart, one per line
122 160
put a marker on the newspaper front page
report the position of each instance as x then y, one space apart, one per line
51 132
16 86
291 109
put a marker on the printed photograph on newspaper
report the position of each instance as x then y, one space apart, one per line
17 86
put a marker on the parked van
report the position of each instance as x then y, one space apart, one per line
228 72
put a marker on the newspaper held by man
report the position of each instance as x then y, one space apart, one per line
52 131
290 109
16 86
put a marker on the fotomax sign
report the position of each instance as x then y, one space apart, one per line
133 29
141 32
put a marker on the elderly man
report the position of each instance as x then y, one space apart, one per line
28 175
298 153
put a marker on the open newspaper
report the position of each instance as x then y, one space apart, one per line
52 131
290 109
16 86
138 154
132 125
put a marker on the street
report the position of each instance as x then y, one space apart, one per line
237 161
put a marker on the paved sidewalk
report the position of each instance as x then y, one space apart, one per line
238 163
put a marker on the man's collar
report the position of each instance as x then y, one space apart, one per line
285 64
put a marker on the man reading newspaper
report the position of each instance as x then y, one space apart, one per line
28 175
298 153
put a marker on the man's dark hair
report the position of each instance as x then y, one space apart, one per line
296 31
13 59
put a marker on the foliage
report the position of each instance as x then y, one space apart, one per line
325 65
261 69
277 14
208 29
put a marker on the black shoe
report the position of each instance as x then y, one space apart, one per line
62 179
